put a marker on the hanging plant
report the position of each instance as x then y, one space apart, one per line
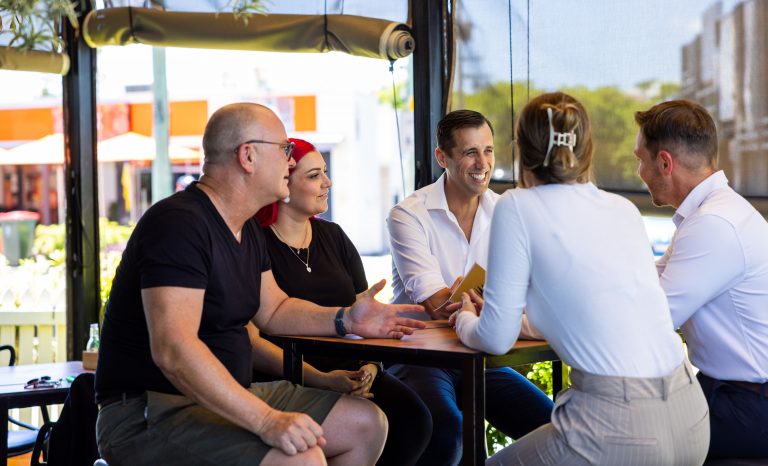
244 9
36 24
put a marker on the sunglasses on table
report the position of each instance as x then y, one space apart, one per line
287 147
42 382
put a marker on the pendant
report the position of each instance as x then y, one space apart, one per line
309 269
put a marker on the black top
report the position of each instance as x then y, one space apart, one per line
182 241
336 278
337 270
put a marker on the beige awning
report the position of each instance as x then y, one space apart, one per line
356 35
128 147
33 60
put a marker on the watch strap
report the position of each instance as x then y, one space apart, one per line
339 322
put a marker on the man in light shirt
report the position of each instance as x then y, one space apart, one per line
715 272
437 234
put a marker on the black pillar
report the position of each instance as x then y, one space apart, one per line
82 223
431 26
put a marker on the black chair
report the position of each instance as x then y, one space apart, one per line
71 440
21 441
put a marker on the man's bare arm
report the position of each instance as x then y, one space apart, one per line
173 318
367 317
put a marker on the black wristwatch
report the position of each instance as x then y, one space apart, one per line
339 322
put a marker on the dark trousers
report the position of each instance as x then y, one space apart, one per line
410 424
513 405
738 419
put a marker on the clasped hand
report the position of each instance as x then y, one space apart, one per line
470 302
357 383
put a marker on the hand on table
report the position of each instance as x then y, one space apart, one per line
290 432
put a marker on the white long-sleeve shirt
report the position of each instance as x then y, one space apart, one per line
429 248
715 275
580 261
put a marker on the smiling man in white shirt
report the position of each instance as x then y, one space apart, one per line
437 234
715 272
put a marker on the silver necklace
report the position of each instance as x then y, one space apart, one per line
296 251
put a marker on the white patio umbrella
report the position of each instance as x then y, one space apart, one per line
133 146
123 148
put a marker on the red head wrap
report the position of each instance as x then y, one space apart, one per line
267 215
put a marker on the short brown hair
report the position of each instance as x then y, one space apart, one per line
680 126
458 119
565 164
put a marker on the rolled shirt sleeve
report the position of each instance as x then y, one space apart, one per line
418 268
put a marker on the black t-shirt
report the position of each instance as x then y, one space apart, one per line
336 278
182 241
337 270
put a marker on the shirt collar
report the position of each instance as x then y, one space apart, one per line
436 195
698 195
436 200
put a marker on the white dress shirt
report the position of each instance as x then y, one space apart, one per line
715 275
580 261
429 248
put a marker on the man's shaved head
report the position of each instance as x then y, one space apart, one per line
232 125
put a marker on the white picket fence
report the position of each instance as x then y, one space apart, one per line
39 336
33 321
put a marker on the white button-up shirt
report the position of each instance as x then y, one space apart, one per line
715 275
429 249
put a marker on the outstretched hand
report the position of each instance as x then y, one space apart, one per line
373 319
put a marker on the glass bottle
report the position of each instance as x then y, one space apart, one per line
93 340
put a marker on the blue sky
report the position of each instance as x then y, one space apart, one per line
587 42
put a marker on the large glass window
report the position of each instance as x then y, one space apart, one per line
32 210
341 103
618 57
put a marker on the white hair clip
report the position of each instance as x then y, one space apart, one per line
558 139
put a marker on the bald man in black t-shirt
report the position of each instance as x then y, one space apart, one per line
174 373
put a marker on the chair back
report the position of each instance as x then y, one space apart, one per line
72 439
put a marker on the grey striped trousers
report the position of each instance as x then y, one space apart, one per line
616 421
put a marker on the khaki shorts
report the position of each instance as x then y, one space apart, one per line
159 428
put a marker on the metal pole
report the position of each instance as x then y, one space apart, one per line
82 206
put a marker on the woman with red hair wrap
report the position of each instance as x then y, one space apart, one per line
313 259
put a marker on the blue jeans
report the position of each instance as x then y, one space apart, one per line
738 419
513 405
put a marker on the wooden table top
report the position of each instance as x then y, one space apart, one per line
438 336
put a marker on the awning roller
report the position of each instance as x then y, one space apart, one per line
355 35
33 60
